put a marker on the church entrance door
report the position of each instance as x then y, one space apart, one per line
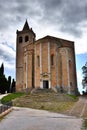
45 84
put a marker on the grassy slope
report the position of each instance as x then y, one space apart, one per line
51 102
46 101
10 97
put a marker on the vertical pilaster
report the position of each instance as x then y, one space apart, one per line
40 58
26 71
35 66
67 61
41 82
49 65
57 66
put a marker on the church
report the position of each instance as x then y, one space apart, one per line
45 63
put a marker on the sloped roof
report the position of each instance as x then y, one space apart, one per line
26 26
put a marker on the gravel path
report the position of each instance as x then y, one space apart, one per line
30 119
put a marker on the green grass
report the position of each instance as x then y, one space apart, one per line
85 124
10 97
72 96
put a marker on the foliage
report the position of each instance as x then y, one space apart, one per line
10 97
13 86
85 124
9 84
2 69
5 84
84 72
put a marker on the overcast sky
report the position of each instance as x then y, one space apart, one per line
60 18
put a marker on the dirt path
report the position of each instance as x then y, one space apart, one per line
80 108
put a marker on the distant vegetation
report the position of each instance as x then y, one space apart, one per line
84 80
6 85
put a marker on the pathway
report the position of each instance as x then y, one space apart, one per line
80 108
30 119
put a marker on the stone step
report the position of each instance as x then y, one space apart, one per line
44 91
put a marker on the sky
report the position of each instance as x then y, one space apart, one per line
65 19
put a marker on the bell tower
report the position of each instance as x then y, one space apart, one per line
24 37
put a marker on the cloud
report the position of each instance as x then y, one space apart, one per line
65 15
79 80
7 54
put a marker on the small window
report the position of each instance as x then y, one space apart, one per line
33 40
25 66
52 60
20 39
26 38
38 61
71 84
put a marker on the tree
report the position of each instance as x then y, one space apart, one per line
9 84
3 84
13 86
84 80
2 69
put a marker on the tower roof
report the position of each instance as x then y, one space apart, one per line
26 26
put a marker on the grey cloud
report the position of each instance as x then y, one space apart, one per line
12 12
6 55
65 15
73 14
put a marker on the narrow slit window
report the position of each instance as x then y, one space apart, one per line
52 60
38 61
25 67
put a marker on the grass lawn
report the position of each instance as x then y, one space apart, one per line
10 97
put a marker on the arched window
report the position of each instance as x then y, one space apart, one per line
52 59
38 61
26 38
20 39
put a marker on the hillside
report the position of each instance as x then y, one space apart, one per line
46 100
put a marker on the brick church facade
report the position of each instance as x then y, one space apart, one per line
45 63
